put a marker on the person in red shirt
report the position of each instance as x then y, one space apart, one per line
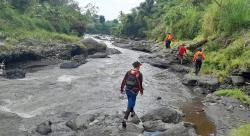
182 52
133 85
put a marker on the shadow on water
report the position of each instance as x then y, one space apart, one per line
194 113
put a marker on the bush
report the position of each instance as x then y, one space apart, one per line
230 17
243 130
236 94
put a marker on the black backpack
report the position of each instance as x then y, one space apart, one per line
199 58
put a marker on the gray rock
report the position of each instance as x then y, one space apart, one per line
198 90
93 46
111 51
237 80
178 130
81 122
14 73
99 55
158 125
165 114
225 113
180 68
69 65
209 82
44 128
80 59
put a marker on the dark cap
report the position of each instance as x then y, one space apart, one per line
136 64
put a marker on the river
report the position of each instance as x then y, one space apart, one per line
92 87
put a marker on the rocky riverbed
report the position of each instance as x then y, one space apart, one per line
224 112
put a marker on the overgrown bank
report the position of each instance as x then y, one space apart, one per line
224 23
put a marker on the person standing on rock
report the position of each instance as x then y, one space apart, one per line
182 52
168 40
198 59
133 82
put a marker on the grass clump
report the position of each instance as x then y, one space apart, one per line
236 94
243 130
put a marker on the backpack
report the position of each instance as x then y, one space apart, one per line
132 80
199 58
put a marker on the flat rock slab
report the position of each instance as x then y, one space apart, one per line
69 65
208 82
165 114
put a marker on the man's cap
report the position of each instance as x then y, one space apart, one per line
136 64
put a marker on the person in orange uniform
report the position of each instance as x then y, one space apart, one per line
168 40
198 59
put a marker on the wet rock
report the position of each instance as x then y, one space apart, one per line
209 82
198 90
99 55
141 45
158 125
81 122
111 51
68 50
93 46
178 130
179 68
80 59
237 80
44 128
14 73
131 130
69 65
155 61
165 114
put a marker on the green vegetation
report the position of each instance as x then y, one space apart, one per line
48 20
243 130
236 94
225 23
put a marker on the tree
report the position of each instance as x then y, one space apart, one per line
102 19
22 5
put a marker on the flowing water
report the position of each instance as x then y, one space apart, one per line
92 87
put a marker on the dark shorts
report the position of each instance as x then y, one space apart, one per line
167 44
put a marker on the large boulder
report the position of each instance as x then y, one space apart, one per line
165 114
209 82
44 128
155 61
93 46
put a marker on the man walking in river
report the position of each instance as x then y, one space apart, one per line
133 82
